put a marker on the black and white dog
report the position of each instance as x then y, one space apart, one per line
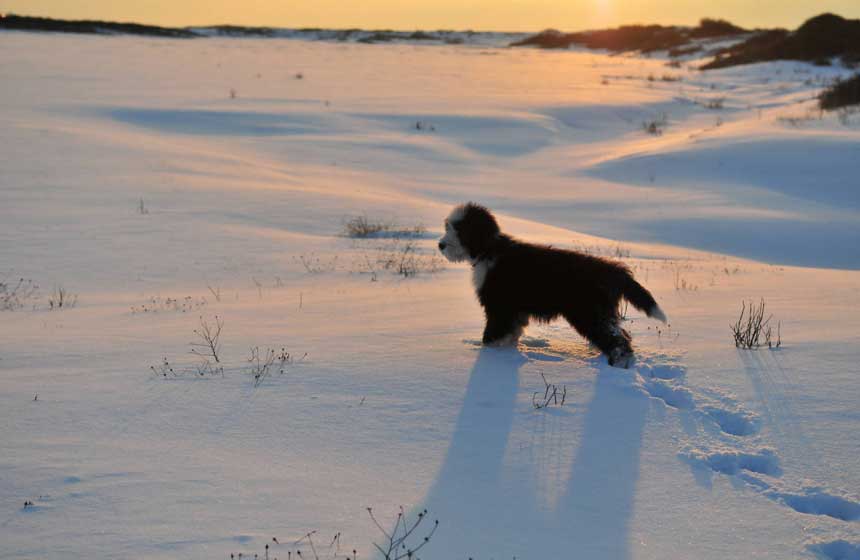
517 281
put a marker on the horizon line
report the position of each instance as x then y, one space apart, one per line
383 29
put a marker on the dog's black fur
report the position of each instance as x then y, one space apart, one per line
517 281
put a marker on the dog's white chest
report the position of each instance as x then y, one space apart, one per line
479 273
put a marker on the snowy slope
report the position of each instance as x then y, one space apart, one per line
700 451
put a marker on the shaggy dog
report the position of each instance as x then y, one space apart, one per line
517 281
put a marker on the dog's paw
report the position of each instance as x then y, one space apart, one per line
510 340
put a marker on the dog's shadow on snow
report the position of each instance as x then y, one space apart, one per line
488 510
597 507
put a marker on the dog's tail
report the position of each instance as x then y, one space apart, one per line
642 299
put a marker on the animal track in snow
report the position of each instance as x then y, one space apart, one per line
664 382
836 550
759 468
734 422
672 395
732 462
815 501
661 371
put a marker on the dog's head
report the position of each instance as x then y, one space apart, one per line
470 231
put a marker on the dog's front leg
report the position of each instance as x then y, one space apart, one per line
502 330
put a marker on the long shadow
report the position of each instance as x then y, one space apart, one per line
595 512
489 511
469 496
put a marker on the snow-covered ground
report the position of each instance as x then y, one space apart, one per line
165 181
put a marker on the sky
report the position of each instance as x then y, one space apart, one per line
501 15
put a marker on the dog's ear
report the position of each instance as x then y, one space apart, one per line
478 230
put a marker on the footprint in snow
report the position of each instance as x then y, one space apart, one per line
731 461
734 422
835 550
815 501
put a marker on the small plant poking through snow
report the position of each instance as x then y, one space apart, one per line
362 227
205 367
164 369
752 330
655 126
208 349
209 344
263 363
61 298
551 395
158 303
15 293
403 261
202 369
680 283
400 254
215 291
617 251
402 541
400 258
316 265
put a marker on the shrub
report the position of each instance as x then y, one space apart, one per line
15 293
362 226
62 298
157 304
656 126
709 27
819 38
262 363
209 344
644 38
551 394
317 265
403 258
402 542
841 94
752 330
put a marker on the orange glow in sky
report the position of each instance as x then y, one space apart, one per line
502 15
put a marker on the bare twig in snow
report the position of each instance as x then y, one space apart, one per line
209 344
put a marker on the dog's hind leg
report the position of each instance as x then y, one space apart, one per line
503 329
609 337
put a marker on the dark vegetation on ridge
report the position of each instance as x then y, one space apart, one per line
818 40
843 93
26 23
643 38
